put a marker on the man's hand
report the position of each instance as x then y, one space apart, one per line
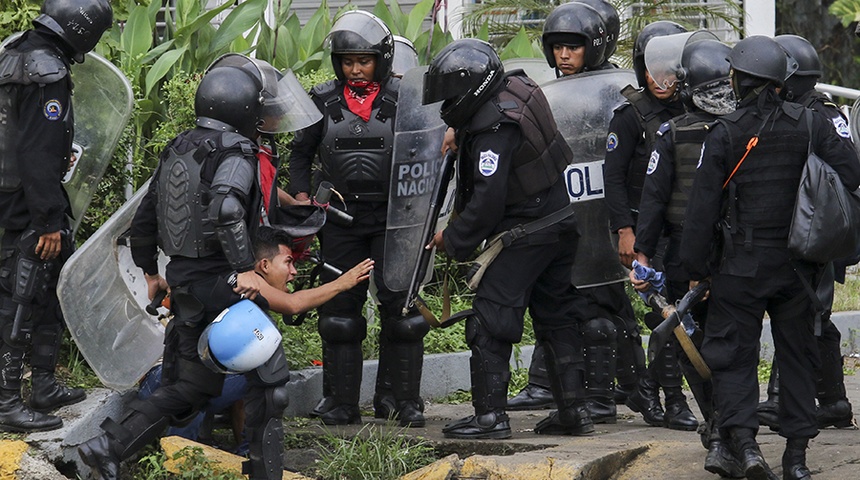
49 245
449 142
154 284
302 198
626 239
639 285
694 283
356 274
437 241
248 284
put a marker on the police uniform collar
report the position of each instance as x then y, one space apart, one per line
212 124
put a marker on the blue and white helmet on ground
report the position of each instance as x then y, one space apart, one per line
240 339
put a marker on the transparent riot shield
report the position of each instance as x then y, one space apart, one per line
103 105
536 68
104 298
582 106
416 160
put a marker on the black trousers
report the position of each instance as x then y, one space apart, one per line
749 284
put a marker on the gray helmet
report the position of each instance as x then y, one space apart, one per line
575 24
761 57
360 32
610 20
463 76
706 83
405 56
79 23
799 48
656 29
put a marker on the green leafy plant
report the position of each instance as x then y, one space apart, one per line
372 454
847 10
195 466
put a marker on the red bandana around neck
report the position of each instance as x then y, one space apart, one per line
359 97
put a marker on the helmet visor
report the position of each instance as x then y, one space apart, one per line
663 56
444 86
287 106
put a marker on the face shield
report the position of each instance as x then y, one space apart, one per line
663 56
286 105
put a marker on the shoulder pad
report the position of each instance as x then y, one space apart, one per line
665 127
44 67
392 86
324 90
11 68
232 139
793 110
622 106
734 116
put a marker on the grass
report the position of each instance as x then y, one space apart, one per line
373 454
846 296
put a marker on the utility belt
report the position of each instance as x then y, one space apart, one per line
506 238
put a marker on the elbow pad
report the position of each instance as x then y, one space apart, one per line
233 181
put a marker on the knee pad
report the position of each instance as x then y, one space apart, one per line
342 329
276 370
408 329
599 331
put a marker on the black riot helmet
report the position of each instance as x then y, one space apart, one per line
706 82
246 95
463 76
799 48
610 20
79 23
656 29
761 57
405 56
359 32
575 24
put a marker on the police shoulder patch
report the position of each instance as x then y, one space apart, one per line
652 162
488 163
53 109
611 142
841 127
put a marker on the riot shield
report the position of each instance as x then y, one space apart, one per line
416 160
582 106
103 105
536 68
104 298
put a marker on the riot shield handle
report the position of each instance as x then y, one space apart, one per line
322 198
437 200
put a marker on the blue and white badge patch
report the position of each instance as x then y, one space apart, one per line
841 127
611 142
488 163
53 109
652 162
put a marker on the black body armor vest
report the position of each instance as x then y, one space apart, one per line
688 135
356 155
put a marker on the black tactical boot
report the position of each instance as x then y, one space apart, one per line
570 421
537 395
621 393
480 426
646 400
405 373
749 455
678 415
837 414
14 415
342 365
720 459
103 454
768 410
49 395
794 460
532 397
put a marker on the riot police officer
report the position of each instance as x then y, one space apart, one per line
706 89
612 337
612 24
746 183
833 405
354 143
203 206
506 134
35 153
631 138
